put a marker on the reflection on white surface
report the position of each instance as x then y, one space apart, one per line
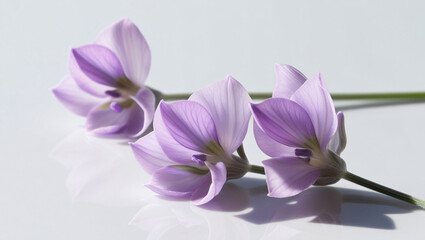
101 171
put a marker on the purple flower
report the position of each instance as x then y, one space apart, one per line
190 151
300 130
106 82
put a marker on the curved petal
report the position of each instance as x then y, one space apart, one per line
149 154
175 182
228 103
72 97
270 146
144 112
218 178
284 121
339 140
104 121
189 124
288 176
169 145
288 80
126 41
317 102
98 63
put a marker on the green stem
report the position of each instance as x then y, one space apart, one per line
335 96
385 190
256 169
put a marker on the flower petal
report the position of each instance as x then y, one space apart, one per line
288 80
339 140
149 153
318 103
104 121
144 112
288 176
126 41
72 97
98 63
218 178
228 103
270 146
175 182
189 124
284 121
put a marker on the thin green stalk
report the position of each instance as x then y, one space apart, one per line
256 169
382 189
335 96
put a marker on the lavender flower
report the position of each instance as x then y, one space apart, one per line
300 130
190 151
106 82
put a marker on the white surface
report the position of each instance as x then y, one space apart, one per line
58 183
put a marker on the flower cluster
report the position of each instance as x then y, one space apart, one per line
191 150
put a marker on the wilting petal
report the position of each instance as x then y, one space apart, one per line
98 63
126 41
288 80
149 153
284 121
319 106
73 98
288 176
189 124
339 140
169 145
270 146
145 100
175 182
228 103
104 121
218 178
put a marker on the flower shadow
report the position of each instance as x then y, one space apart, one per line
327 205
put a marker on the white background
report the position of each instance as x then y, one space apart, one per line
58 183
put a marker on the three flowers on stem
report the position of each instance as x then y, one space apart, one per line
191 150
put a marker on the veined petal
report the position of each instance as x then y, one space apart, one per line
104 121
126 41
98 63
284 121
169 145
288 80
288 176
317 102
228 103
339 140
218 178
72 97
175 182
189 124
149 153
270 146
145 100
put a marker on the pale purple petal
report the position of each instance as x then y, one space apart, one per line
284 121
317 102
145 100
98 63
339 140
270 146
218 178
288 176
171 147
189 124
149 153
126 41
288 80
228 103
104 121
175 182
73 98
